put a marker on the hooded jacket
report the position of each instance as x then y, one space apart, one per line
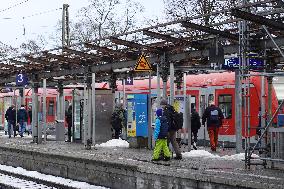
213 116
22 115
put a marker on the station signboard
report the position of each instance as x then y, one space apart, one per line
21 80
129 81
233 63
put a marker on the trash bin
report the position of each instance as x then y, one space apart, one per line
59 130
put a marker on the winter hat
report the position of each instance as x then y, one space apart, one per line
163 102
159 112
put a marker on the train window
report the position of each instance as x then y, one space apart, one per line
210 98
67 103
225 104
193 101
50 110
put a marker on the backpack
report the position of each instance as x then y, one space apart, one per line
175 119
116 120
214 116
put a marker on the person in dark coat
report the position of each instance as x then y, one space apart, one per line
22 117
213 116
118 120
195 126
167 109
69 122
10 116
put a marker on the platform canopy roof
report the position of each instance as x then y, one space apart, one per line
186 42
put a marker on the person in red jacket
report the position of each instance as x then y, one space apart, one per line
213 116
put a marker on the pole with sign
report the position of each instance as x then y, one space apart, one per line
144 65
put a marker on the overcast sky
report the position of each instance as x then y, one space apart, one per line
15 29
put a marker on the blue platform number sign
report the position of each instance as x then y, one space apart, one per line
21 80
129 81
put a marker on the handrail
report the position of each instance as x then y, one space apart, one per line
266 127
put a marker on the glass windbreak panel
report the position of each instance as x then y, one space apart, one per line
225 104
50 109
202 104
154 109
7 104
77 118
2 111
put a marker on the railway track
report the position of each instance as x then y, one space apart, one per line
10 180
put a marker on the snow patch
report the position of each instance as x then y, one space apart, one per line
199 153
206 154
114 143
240 156
50 178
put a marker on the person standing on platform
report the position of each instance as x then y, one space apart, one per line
22 117
213 116
69 122
118 120
168 112
30 114
195 126
10 116
160 136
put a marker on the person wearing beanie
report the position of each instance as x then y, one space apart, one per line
168 113
160 136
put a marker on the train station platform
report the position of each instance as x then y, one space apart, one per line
132 168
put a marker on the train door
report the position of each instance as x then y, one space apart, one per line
51 109
206 94
225 103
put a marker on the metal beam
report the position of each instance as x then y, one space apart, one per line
81 54
162 36
134 45
230 49
257 19
99 48
206 29
64 59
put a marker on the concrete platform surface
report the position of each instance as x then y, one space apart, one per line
217 170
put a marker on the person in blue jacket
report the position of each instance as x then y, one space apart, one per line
22 117
161 137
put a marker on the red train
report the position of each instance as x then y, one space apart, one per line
219 87
202 88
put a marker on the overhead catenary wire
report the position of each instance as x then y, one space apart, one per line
13 6
41 13
38 14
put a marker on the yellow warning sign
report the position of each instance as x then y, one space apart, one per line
143 64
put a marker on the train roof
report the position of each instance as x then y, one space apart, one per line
201 80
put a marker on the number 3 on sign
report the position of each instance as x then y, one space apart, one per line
20 78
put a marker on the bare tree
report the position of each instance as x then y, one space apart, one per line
7 51
189 8
105 17
30 46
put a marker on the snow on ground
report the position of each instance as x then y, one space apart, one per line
114 143
206 154
21 183
50 178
